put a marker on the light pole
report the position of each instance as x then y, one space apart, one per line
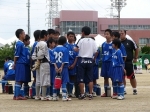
118 4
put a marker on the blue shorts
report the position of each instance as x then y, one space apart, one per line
28 73
72 71
65 75
52 73
85 70
106 70
95 72
9 77
20 72
118 74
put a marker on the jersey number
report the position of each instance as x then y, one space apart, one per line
58 57
10 65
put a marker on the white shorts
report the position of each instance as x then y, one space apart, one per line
43 75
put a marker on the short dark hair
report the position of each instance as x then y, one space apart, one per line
116 34
86 30
70 33
37 34
27 37
62 40
43 33
51 31
51 40
125 31
8 58
117 42
109 30
75 38
18 32
57 32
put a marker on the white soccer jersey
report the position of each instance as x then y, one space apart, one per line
40 51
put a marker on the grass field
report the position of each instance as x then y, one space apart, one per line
131 103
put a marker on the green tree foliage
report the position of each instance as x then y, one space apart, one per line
145 50
5 51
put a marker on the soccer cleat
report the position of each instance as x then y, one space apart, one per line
55 98
66 99
21 98
134 92
120 97
125 92
46 99
94 94
37 98
114 96
82 97
50 98
104 95
90 97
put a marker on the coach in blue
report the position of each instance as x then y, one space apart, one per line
9 72
86 47
130 46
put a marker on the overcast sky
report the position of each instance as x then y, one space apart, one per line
13 13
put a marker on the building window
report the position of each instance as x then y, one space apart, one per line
144 40
76 26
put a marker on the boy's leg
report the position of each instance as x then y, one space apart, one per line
94 88
33 89
3 85
26 90
37 85
71 85
64 93
106 84
121 91
55 97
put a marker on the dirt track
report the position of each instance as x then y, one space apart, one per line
132 103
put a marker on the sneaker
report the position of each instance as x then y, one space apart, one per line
27 96
21 98
94 94
71 95
134 92
37 98
90 97
114 96
104 95
66 99
49 98
125 92
120 97
82 97
55 98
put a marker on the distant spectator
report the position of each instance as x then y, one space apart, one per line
146 62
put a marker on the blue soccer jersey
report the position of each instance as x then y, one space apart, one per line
27 55
98 57
123 50
61 56
8 70
107 51
33 47
51 54
117 58
20 52
72 53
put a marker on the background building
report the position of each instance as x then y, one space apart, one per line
137 28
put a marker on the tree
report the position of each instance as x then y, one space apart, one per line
145 50
6 51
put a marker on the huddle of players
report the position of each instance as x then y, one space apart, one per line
61 62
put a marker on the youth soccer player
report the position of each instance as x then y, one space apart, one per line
43 72
37 38
86 47
19 64
51 43
61 66
118 69
28 64
9 72
72 62
116 35
107 51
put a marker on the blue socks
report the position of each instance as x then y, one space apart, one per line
115 87
64 91
33 89
17 90
121 90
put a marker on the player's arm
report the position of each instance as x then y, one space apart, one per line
136 49
74 63
56 68
5 69
61 68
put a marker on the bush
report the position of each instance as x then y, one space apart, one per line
145 50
